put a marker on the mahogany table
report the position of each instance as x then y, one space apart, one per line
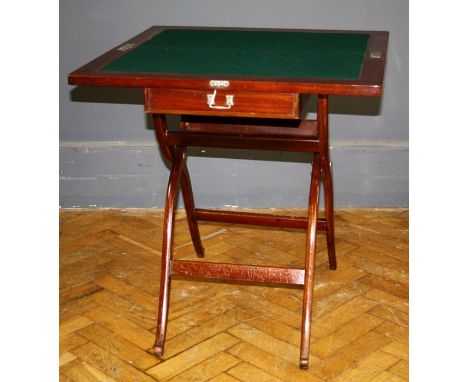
242 88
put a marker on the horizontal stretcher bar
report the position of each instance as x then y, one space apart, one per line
237 272
256 142
305 128
269 220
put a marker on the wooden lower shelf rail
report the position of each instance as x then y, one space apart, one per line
269 220
278 143
236 272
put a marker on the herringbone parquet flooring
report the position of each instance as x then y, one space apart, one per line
109 280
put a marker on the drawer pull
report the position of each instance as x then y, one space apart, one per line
211 100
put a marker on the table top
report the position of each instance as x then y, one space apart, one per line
298 61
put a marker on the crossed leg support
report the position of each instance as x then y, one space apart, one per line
312 220
178 165
179 177
160 125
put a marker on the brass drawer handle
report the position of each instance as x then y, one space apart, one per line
211 100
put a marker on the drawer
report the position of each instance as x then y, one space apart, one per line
222 103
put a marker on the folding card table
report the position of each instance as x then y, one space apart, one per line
242 88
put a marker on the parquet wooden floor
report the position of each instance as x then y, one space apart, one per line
109 280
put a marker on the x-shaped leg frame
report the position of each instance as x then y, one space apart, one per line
179 177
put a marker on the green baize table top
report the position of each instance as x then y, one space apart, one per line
247 53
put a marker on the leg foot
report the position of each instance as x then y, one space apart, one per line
158 351
303 363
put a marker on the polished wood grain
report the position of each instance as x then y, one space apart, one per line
309 268
324 152
305 128
109 283
160 127
176 142
178 165
255 142
194 102
236 272
229 216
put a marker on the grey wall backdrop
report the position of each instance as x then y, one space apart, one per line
108 151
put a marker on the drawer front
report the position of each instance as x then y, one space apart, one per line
222 103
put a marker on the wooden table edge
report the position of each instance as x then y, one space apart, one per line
369 84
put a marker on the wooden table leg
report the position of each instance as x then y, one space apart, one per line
178 165
322 121
160 125
189 203
310 262
179 174
330 232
